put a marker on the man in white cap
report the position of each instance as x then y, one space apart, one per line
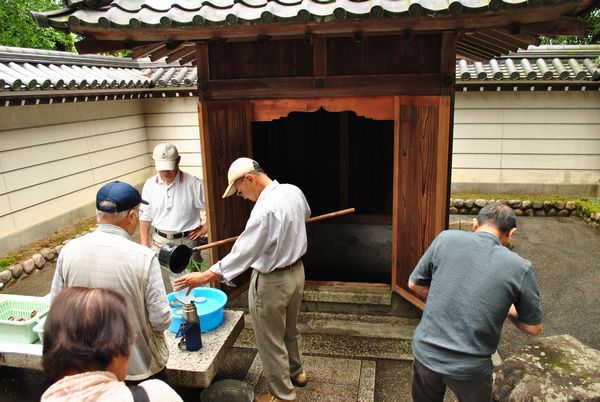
175 201
272 244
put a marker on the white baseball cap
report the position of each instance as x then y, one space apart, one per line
237 170
165 156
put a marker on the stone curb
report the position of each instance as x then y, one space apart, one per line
31 266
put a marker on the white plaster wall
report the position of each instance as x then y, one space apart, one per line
175 120
54 158
527 138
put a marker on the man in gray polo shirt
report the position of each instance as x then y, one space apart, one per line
471 283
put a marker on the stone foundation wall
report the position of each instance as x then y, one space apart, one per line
527 208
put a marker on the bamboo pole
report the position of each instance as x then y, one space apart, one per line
310 220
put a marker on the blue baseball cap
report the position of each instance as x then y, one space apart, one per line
123 195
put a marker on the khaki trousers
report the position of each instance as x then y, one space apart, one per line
274 302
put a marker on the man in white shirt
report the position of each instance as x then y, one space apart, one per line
272 244
107 258
175 201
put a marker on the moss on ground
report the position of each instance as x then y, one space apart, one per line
50 241
587 205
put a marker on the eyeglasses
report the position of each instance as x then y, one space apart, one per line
239 181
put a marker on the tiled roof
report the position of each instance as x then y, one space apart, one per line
489 27
32 72
166 13
544 63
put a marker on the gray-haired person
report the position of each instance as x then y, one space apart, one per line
471 283
272 243
107 258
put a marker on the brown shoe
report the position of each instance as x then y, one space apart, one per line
300 379
270 398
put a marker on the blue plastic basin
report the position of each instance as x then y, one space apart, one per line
209 302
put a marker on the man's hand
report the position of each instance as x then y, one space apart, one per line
533 330
194 280
421 291
199 231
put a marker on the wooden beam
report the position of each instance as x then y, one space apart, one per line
202 61
478 50
182 50
512 39
374 107
564 26
477 42
333 86
319 56
187 58
448 61
145 50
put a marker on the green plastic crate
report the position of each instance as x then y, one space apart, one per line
39 329
21 331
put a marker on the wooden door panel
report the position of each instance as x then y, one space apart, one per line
225 133
421 144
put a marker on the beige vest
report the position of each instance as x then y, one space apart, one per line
106 258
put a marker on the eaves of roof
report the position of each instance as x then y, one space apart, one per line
42 74
184 13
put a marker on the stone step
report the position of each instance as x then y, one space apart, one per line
367 326
348 294
358 347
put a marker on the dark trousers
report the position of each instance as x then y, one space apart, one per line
161 375
429 386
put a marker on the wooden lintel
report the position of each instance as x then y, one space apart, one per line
333 86
374 107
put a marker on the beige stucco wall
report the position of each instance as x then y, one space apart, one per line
519 139
53 158
175 120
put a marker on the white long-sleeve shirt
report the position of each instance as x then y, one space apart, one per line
275 234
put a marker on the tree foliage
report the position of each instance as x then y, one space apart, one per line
19 29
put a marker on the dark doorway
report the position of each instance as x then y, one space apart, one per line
339 160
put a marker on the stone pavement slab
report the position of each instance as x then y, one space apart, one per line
330 379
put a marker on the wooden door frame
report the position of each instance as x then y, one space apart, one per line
377 108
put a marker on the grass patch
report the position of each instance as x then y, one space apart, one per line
7 262
50 241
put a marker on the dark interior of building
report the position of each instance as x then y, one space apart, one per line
339 160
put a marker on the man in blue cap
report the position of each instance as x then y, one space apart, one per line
107 258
